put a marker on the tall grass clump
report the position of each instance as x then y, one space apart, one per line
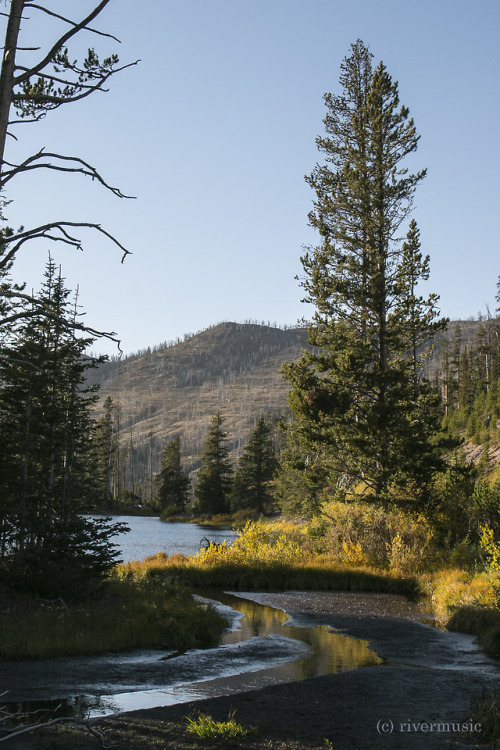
467 601
484 719
207 728
129 614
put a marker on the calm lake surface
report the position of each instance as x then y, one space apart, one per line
148 535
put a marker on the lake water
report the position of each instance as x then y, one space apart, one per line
148 535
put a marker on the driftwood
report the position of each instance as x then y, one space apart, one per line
12 724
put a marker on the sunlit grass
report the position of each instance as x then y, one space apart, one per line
467 601
455 587
207 728
264 558
145 603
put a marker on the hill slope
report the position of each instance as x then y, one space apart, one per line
175 390
235 367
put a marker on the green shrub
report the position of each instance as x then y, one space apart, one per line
359 533
129 614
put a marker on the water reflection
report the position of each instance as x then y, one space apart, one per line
330 652
318 651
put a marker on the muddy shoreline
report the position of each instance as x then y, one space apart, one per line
413 701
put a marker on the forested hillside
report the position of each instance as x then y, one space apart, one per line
174 390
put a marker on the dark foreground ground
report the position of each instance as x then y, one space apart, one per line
413 701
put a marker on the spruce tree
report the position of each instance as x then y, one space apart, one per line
172 481
214 481
255 470
106 454
415 315
354 394
300 475
48 471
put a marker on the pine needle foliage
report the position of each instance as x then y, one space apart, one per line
172 481
213 486
47 467
255 471
358 394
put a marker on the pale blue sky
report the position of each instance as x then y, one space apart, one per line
214 131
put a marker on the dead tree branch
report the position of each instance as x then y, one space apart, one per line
68 21
20 730
44 232
52 101
35 162
37 310
17 723
32 90
58 46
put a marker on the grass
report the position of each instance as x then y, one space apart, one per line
317 576
484 718
128 614
266 558
467 602
207 728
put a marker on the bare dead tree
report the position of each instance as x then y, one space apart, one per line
28 92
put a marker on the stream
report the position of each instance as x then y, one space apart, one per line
262 647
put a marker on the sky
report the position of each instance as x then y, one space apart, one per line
213 132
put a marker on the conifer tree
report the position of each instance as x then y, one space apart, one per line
106 449
415 315
301 475
214 481
255 470
172 481
48 471
354 393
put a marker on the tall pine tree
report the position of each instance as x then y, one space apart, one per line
355 394
172 481
255 470
106 455
46 429
214 481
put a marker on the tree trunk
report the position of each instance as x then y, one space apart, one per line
7 72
